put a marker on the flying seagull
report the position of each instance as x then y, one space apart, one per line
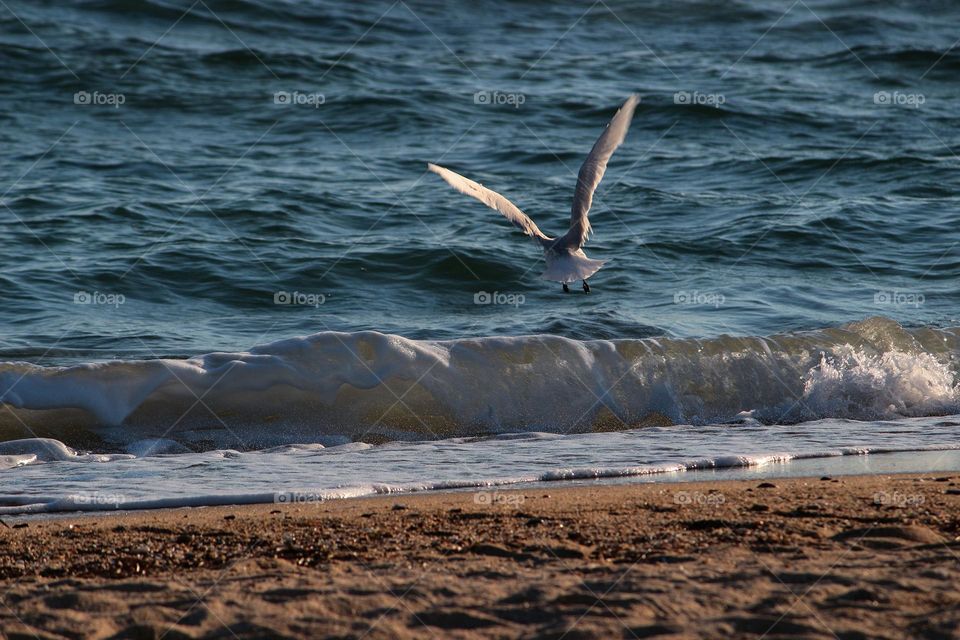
566 261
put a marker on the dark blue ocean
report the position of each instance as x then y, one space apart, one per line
219 232
795 201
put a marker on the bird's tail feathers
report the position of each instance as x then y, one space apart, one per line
570 267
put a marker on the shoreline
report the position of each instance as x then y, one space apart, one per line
112 501
851 556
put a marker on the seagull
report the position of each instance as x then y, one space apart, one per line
566 261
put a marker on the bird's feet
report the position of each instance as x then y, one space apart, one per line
586 287
566 289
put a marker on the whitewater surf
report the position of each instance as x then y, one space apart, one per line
376 387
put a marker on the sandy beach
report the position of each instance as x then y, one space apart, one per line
850 557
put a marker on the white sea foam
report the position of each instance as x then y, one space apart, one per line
49 450
97 498
334 387
852 383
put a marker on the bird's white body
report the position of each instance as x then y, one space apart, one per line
568 266
566 261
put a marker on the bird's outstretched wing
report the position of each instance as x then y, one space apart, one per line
592 171
490 198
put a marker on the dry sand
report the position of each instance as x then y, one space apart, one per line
864 557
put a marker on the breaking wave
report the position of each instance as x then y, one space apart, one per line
371 386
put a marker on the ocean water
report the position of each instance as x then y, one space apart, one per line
227 272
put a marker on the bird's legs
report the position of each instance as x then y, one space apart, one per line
586 287
566 289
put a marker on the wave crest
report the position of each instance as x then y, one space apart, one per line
372 386
858 385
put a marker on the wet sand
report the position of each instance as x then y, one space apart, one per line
851 557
